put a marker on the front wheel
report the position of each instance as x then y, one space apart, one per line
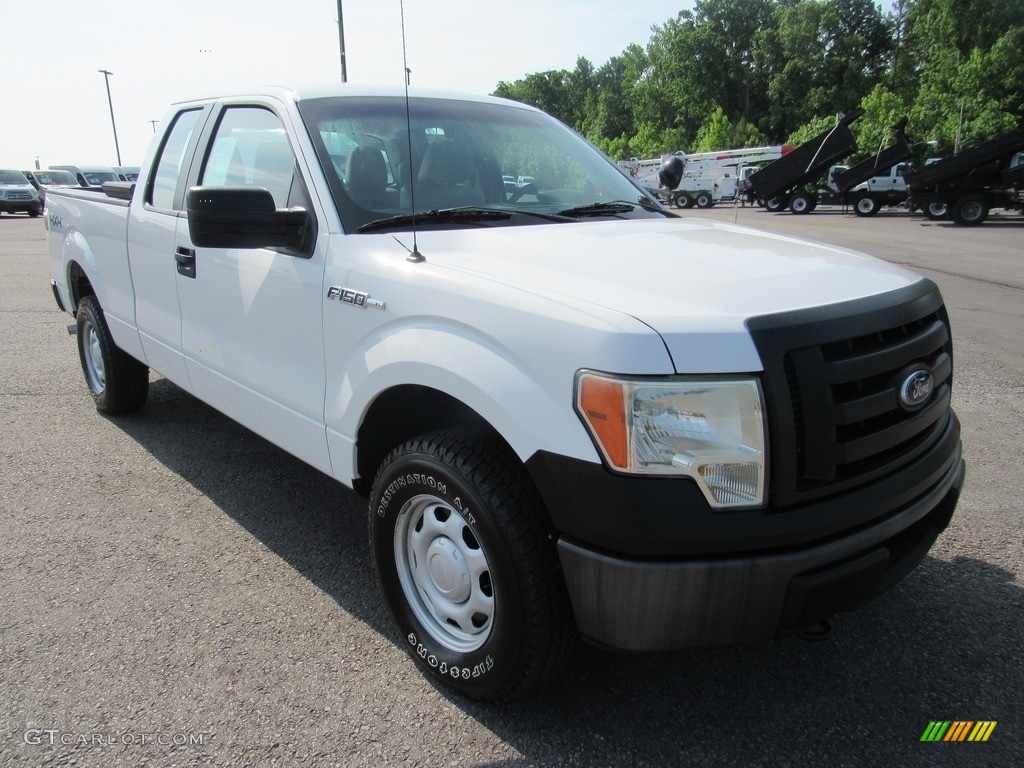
467 565
866 205
117 381
801 204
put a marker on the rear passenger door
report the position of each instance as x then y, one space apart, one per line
252 326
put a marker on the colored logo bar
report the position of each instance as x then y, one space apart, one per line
959 730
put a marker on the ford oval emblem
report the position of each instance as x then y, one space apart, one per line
916 389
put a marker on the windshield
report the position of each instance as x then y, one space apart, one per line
12 177
55 177
465 154
96 178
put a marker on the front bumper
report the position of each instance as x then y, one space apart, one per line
20 206
632 604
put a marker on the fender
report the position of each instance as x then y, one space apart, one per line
530 408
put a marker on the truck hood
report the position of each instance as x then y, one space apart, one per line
693 281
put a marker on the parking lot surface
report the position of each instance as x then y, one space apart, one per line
178 592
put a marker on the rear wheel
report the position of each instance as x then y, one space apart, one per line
704 200
467 565
117 381
970 210
776 204
936 211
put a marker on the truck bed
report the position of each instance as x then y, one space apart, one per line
952 166
806 163
879 164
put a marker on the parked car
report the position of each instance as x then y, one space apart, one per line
127 172
17 195
41 180
89 176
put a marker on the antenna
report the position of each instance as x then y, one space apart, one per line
414 255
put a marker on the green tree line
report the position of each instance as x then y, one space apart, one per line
735 73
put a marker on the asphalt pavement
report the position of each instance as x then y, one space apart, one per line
176 591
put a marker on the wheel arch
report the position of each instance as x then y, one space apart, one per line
402 413
79 285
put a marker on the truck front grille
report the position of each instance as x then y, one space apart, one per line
832 383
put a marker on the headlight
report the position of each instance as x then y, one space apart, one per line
709 429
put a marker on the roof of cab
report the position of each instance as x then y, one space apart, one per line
333 90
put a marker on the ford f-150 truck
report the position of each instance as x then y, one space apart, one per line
573 413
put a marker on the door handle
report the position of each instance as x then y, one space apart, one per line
186 261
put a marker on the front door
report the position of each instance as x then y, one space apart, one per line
252 324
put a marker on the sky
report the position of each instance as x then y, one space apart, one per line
53 102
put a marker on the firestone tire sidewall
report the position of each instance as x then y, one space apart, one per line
485 671
88 317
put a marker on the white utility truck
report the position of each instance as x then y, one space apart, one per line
707 177
573 413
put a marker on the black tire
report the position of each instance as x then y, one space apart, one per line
490 616
866 205
703 200
684 201
776 204
969 210
802 204
34 212
936 211
117 381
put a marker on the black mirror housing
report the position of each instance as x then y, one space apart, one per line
242 217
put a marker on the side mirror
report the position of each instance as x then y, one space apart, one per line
242 217
671 171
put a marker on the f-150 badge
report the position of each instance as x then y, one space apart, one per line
355 298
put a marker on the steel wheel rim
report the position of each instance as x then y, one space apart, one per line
444 573
971 211
865 205
93 353
799 205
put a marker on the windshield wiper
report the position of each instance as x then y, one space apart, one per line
610 208
440 216
598 209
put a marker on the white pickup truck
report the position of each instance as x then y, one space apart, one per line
573 413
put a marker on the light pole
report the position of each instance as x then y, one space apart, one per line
106 78
341 41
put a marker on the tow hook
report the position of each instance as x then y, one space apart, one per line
816 632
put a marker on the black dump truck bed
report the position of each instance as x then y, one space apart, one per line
878 165
806 163
997 150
